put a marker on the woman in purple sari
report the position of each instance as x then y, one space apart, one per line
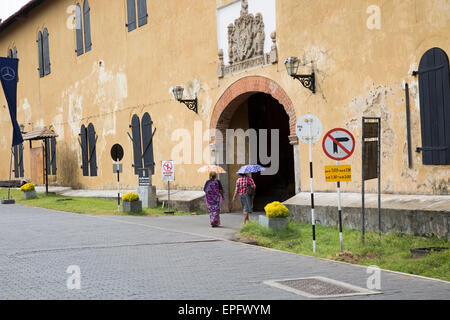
213 197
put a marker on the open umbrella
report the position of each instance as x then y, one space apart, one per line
211 168
251 168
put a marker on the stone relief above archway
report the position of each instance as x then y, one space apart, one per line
246 39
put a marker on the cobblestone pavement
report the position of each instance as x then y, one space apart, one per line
132 259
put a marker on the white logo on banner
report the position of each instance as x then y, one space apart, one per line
8 74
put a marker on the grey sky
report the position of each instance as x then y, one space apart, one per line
8 7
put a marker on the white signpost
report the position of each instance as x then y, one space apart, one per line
339 144
168 174
309 130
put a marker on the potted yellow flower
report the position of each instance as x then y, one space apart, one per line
131 202
275 218
28 190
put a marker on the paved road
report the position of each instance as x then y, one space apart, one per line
156 258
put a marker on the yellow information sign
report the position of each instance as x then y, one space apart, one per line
339 173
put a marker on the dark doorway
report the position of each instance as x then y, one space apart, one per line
264 112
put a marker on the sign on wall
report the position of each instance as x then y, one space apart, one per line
168 170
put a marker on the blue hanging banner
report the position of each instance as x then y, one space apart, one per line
8 76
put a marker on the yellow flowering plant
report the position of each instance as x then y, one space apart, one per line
27 187
130 197
276 210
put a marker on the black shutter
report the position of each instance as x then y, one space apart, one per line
10 53
16 161
53 156
87 26
434 89
131 13
20 158
142 12
84 151
92 150
147 143
41 54
46 53
79 30
137 149
15 53
47 156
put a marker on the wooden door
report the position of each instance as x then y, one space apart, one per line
37 165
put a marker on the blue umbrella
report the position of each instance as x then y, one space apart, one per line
251 168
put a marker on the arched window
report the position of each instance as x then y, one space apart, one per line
79 30
88 142
87 26
434 88
10 53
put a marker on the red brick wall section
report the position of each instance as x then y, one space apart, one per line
224 109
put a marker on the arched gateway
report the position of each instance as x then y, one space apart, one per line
257 102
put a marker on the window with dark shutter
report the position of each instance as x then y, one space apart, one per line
40 54
10 53
84 151
434 88
79 30
142 12
92 141
137 145
131 13
53 156
87 26
15 53
147 142
16 161
46 52
20 161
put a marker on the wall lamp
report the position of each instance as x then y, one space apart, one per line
178 94
307 80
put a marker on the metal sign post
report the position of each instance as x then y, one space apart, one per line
371 153
339 144
117 155
168 174
309 130
118 185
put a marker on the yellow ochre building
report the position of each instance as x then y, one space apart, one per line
100 68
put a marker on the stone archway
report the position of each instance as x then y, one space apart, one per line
224 109
230 101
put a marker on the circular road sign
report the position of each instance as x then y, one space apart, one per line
309 128
338 144
117 152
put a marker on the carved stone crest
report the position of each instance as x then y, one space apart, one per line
246 38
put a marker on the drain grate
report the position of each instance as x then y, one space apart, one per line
319 287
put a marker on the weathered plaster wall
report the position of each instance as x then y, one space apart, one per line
359 72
